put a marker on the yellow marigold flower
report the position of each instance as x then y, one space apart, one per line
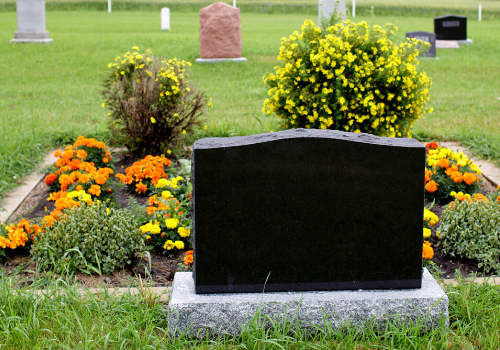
179 245
172 223
169 245
427 232
166 195
153 120
184 232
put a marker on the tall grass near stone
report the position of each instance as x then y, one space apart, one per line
64 317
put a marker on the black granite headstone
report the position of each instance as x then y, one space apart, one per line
304 210
426 37
450 27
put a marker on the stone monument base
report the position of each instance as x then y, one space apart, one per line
31 37
219 60
199 315
467 41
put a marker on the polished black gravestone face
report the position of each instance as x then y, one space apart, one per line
450 27
305 210
426 37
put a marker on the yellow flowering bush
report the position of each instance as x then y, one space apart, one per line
151 101
448 173
349 77
430 221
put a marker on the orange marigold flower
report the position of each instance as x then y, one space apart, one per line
81 154
151 210
188 260
456 176
79 188
100 179
49 180
57 153
109 190
67 154
480 197
95 190
189 252
469 178
431 145
100 144
427 251
431 186
428 175
141 188
105 160
443 163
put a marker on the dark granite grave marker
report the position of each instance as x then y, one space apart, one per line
307 210
450 27
427 37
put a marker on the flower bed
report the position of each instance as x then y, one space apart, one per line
161 207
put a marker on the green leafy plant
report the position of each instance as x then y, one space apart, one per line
90 238
152 104
349 77
470 228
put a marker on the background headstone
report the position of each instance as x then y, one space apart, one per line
307 210
450 27
220 31
426 37
31 22
165 18
326 7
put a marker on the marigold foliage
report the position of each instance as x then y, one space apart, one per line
470 228
88 235
351 77
151 101
448 173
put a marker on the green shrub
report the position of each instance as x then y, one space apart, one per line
152 103
349 77
90 238
471 229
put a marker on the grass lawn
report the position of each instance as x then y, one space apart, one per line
63 319
50 93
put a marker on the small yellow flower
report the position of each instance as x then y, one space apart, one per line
183 132
153 120
169 151
205 127
179 245
169 245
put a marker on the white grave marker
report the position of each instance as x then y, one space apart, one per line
326 7
353 8
109 6
165 18
479 13
31 22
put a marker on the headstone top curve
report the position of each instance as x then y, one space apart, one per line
216 142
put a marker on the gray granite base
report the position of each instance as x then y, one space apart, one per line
201 315
220 60
40 41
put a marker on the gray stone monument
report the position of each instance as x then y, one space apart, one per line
426 37
326 7
260 203
31 22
